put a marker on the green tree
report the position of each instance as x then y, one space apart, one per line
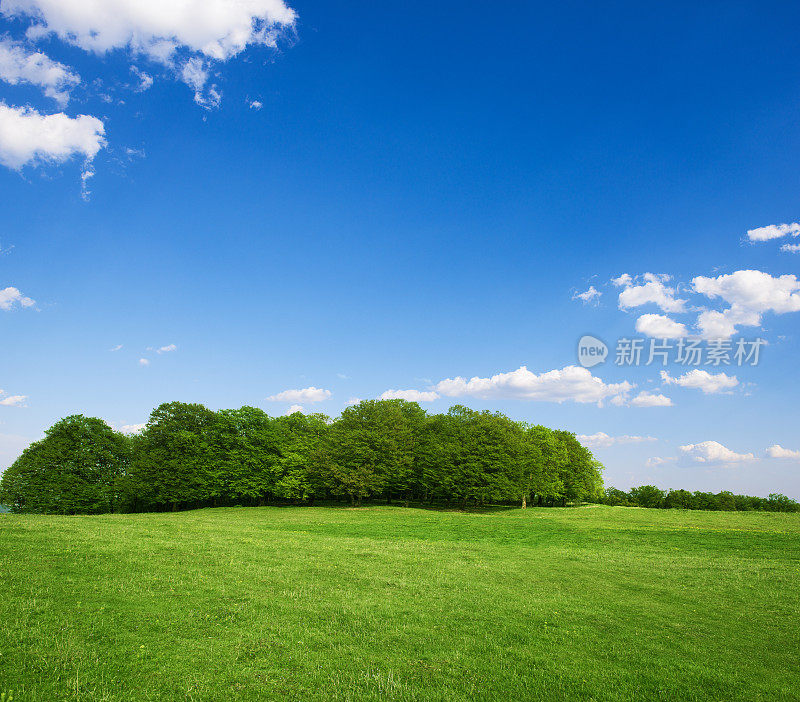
373 448
543 459
173 462
647 496
76 469
246 455
617 498
580 473
780 503
679 499
303 469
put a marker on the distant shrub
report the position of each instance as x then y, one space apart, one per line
652 497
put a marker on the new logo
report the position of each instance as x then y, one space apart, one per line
591 351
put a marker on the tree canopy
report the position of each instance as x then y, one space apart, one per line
76 469
189 456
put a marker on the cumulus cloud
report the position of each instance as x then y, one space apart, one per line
658 461
256 105
569 383
18 64
353 401
216 29
116 348
132 428
11 297
650 288
650 399
603 440
791 248
588 297
310 394
144 362
773 231
777 451
12 400
660 326
30 138
709 383
167 348
750 294
410 395
293 409
713 452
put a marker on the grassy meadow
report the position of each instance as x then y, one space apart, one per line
593 603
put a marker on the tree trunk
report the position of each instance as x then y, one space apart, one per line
524 501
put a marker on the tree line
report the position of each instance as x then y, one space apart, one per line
189 456
653 497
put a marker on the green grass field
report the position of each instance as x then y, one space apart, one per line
595 603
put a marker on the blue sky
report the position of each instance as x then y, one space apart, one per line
357 199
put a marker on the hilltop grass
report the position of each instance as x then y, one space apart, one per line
376 603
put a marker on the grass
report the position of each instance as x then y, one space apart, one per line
324 603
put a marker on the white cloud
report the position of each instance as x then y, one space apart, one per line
28 137
11 297
660 326
310 394
709 383
256 105
603 440
713 452
145 80
791 248
216 29
569 383
650 399
777 451
653 290
658 461
293 409
116 348
167 348
88 172
18 64
353 401
410 395
722 325
588 297
132 428
144 362
773 231
195 74
750 294
13 400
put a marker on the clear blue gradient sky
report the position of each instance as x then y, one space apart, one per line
419 196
